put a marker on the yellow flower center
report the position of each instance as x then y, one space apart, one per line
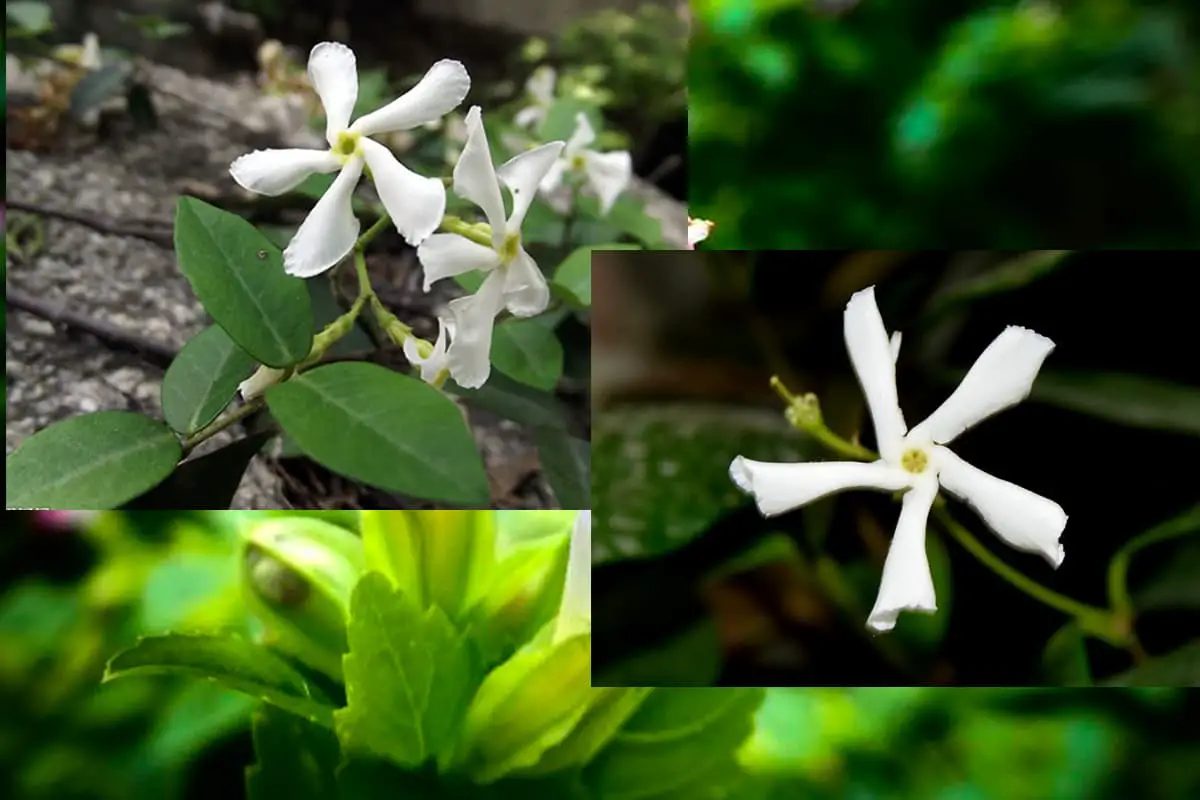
577 162
914 460
346 145
509 247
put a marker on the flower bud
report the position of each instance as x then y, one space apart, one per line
442 558
298 575
523 596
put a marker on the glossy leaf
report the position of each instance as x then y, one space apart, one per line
94 461
202 379
629 216
409 677
207 482
238 275
294 758
230 660
660 474
1125 399
383 428
567 464
507 398
574 275
528 351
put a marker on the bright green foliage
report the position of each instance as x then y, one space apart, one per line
295 759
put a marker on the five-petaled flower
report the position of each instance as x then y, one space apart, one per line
514 280
415 203
607 174
914 461
698 230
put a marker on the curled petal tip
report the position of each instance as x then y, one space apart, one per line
740 475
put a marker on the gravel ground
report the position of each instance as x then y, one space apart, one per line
55 371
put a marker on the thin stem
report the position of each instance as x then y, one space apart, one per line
364 280
480 233
371 232
220 424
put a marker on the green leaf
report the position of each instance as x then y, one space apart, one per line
99 86
1175 585
574 275
198 716
566 463
507 398
95 461
34 17
471 281
207 482
629 216
202 379
1186 524
560 120
238 275
1178 668
1126 399
294 759
527 350
385 429
231 661
660 473
409 676
680 742
1064 659
1016 273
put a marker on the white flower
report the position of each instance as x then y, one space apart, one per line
575 612
540 88
514 280
415 203
607 173
698 231
914 460
263 378
432 361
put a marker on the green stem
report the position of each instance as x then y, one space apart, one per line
480 233
371 232
1118 568
220 423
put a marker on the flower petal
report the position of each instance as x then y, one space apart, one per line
575 610
475 176
525 290
907 584
439 91
1022 519
894 346
871 355
1001 377
333 72
608 174
698 230
529 116
469 354
415 203
582 136
273 172
553 177
327 235
444 255
432 364
540 85
782 487
522 173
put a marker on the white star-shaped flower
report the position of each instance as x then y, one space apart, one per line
914 461
514 280
698 230
575 612
415 203
540 88
431 360
607 174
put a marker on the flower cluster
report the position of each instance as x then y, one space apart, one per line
416 204
915 461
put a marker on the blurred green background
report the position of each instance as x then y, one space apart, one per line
945 123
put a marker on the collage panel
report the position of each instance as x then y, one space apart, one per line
890 468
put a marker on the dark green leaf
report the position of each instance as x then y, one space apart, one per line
95 461
195 718
680 742
574 275
507 398
1064 660
1179 668
566 463
660 474
230 660
1175 585
202 379
382 428
34 17
375 779
238 275
99 86
207 482
1125 399
1013 274
527 350
294 759
471 281
409 676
